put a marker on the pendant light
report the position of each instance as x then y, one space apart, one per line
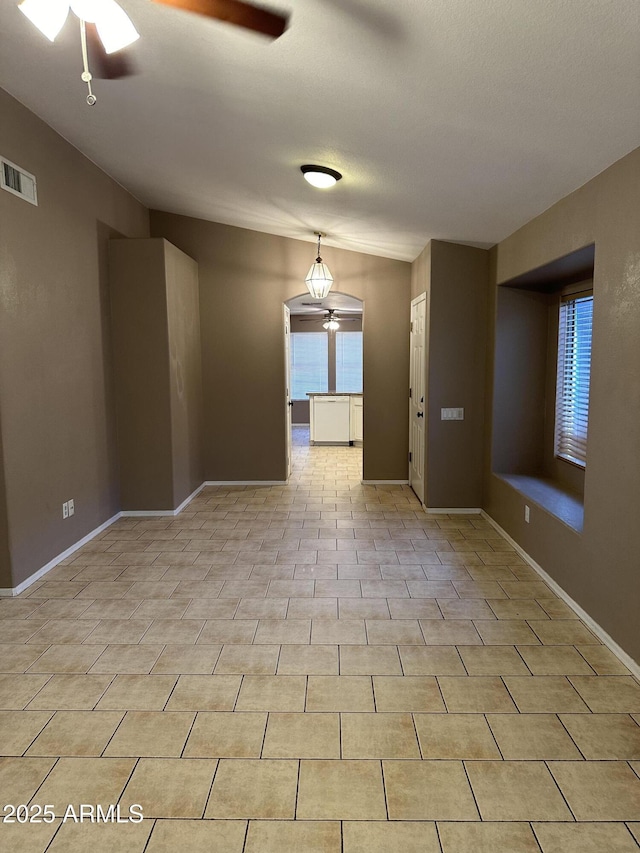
319 279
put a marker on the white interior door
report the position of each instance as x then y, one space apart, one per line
417 407
288 402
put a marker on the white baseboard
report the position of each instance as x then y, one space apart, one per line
384 482
608 641
161 513
16 590
245 483
456 510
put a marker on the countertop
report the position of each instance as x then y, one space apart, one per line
334 393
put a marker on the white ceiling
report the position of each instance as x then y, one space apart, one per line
450 119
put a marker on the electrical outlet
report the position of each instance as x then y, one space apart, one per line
72 508
65 510
526 514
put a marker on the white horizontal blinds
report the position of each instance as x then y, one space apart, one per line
309 363
574 368
349 361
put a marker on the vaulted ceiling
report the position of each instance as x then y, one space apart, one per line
449 119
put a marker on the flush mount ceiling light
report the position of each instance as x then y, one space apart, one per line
320 176
319 279
112 23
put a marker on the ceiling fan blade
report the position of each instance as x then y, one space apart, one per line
107 66
271 24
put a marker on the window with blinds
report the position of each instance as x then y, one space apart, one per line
349 362
309 363
574 368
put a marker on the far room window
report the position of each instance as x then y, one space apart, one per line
309 363
574 368
349 362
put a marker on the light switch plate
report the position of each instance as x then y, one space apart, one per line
452 414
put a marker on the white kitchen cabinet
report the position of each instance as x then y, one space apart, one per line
355 419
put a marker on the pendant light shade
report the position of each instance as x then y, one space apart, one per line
319 279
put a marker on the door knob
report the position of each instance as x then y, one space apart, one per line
290 403
420 414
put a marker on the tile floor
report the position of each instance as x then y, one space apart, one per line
313 667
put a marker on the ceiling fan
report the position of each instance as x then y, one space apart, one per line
331 319
106 29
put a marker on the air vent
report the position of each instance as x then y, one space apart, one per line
15 180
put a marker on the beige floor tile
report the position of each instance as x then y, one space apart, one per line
465 608
86 780
487 838
544 694
516 790
634 829
554 660
249 660
198 836
212 608
156 589
340 631
479 589
506 632
475 694
356 571
558 632
19 728
161 608
67 658
170 787
205 693
61 589
363 608
258 789
369 660
137 693
16 691
434 660
102 838
71 692
285 631
313 608
228 631
492 660
126 631
340 790
381 837
518 609
188 660
449 632
527 589
302 736
153 734
21 777
308 660
603 661
455 736
428 790
407 693
174 631
383 589
82 733
413 608
556 609
599 790
532 737
291 589
106 589
277 836
604 736
20 630
394 632
131 659
262 608
584 838
338 589
272 693
216 734
340 693
107 608
431 589
29 838
390 735
609 694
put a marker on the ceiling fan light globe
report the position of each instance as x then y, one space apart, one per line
114 27
87 10
319 280
333 325
47 15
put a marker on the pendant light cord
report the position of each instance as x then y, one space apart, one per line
319 259
86 75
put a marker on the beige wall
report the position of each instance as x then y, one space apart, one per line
156 346
598 568
58 430
455 278
245 277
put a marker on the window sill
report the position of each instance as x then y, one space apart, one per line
556 499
